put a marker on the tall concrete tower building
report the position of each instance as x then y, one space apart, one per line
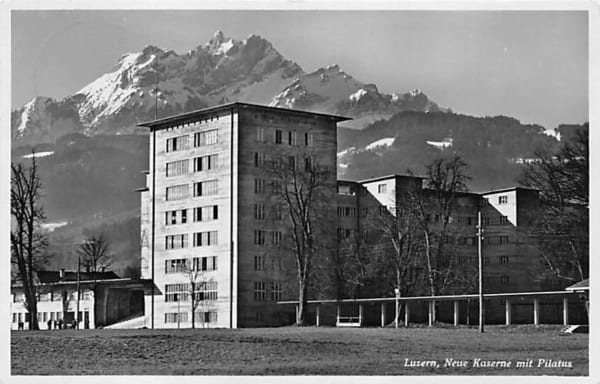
210 222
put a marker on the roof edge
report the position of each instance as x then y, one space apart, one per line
158 123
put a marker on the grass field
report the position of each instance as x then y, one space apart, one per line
299 351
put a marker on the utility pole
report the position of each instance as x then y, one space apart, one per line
479 239
78 291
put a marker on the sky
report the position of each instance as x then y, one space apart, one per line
531 65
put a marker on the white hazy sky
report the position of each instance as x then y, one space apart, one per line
531 65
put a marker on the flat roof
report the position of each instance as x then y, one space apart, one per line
159 123
393 176
507 190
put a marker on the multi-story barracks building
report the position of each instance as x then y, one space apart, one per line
211 223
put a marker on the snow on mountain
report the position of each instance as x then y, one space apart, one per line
44 120
219 71
331 90
385 142
441 145
38 154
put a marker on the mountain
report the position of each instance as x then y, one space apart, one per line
495 147
331 90
222 70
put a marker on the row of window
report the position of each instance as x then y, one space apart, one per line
202 163
470 259
204 264
274 237
182 317
274 213
281 137
346 211
55 296
200 188
268 290
206 213
289 162
201 139
205 290
264 262
260 186
21 317
200 239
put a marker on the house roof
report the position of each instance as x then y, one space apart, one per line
47 277
583 285
167 122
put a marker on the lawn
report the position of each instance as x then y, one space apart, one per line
301 351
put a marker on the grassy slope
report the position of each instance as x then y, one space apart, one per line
292 351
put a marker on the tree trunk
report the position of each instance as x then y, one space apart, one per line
302 302
430 271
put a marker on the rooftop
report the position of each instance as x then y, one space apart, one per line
167 122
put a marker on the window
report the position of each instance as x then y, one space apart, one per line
277 187
503 259
206 138
259 263
206 163
205 239
259 159
291 162
503 239
259 186
176 241
276 237
260 291
206 317
308 139
174 317
503 199
175 265
176 217
292 138
210 212
259 237
503 220
381 188
206 188
276 290
177 168
278 134
470 220
486 221
344 190
177 292
260 135
205 263
307 165
504 280
259 211
277 212
178 143
177 192
206 290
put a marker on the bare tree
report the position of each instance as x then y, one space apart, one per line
432 208
561 225
27 242
302 190
95 253
199 298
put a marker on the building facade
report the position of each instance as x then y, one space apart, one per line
211 224
214 231
61 294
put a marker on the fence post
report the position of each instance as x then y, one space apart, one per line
456 313
406 313
382 315
318 321
508 309
565 311
536 311
360 314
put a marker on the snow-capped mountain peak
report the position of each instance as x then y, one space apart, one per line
222 70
